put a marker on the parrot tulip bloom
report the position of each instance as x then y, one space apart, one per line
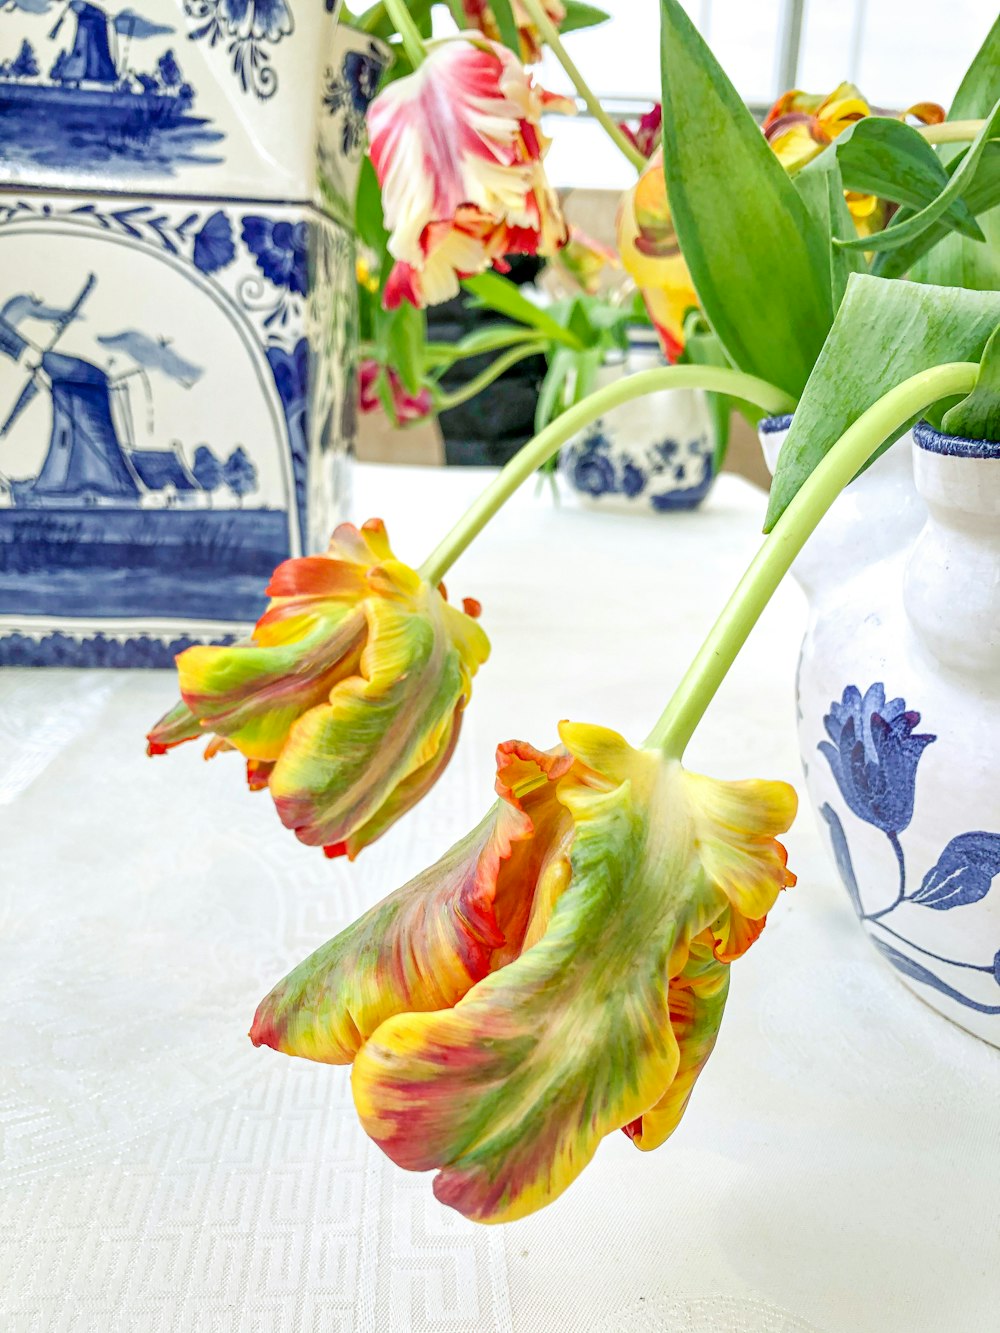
651 254
347 701
480 15
459 153
800 125
560 974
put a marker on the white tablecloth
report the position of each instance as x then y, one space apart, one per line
838 1170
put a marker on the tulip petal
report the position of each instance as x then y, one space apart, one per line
344 758
509 1093
173 728
424 946
697 1001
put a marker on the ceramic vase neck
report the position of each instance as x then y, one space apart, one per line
952 583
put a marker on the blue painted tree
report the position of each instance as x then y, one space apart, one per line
25 66
239 473
207 469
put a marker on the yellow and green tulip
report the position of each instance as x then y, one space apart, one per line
560 974
347 701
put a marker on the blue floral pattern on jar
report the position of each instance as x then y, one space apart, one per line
662 475
874 755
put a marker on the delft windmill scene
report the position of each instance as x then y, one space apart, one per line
117 510
101 87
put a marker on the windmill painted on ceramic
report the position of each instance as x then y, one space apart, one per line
176 377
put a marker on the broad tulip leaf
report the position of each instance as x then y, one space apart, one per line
822 191
888 158
982 197
884 333
757 256
964 873
977 417
955 262
900 233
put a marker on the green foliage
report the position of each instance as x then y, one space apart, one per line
977 417
955 262
758 257
884 333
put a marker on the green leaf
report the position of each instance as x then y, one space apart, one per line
887 158
899 233
977 417
404 336
503 12
821 187
955 262
756 254
368 215
494 292
885 331
550 396
581 16
982 194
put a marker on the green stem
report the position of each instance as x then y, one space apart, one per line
549 31
554 436
413 43
772 562
951 131
444 402
446 354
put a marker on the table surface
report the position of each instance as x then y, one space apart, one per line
836 1172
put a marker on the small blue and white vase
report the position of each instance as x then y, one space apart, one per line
177 314
899 713
653 455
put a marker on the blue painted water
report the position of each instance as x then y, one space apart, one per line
94 142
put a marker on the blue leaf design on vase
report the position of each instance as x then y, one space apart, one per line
213 245
874 756
964 872
909 967
842 855
633 480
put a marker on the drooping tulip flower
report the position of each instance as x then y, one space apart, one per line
407 407
347 701
800 125
558 975
479 14
651 254
459 153
647 133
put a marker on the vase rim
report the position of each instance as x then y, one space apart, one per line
773 425
953 446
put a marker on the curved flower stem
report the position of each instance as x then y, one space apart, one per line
772 562
952 962
951 131
446 354
536 12
554 436
901 892
444 402
413 43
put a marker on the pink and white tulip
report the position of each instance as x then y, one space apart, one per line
459 152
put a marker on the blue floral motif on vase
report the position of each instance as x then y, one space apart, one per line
874 755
